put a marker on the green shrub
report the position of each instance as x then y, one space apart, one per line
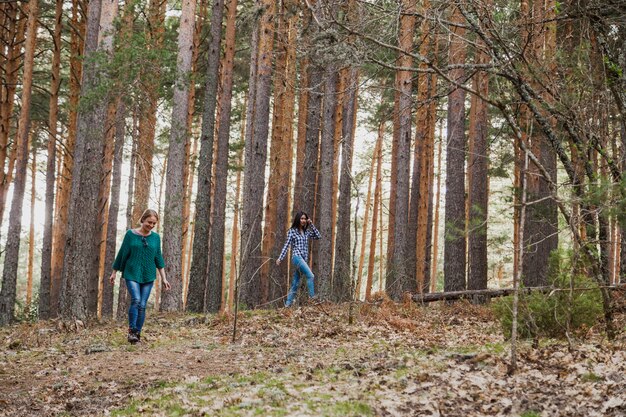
546 314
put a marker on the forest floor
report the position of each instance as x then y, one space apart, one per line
395 359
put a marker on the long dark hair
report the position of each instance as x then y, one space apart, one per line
296 220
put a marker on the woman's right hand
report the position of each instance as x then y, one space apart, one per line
277 262
112 277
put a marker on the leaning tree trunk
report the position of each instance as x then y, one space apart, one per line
455 241
55 83
256 155
216 258
173 214
12 248
199 264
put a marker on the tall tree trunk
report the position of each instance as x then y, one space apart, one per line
108 15
216 258
421 196
399 278
256 155
31 231
59 238
282 149
324 279
342 271
122 298
148 110
435 258
55 84
375 210
173 214
478 166
81 261
111 237
199 265
235 235
17 30
540 235
454 235
12 248
368 204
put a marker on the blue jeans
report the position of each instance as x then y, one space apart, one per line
300 267
139 294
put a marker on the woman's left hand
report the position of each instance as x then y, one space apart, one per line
167 285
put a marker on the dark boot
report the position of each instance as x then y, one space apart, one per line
132 336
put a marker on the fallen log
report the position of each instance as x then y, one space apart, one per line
498 292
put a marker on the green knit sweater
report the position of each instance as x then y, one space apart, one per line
139 257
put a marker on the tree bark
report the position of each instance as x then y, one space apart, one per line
324 278
55 84
375 211
256 156
216 247
173 215
282 150
454 235
198 274
478 166
12 248
399 278
342 271
81 259
65 180
111 237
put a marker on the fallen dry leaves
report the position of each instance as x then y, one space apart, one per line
403 359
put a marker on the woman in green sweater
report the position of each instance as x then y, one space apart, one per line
139 259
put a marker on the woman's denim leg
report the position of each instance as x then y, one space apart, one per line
139 294
133 308
145 289
294 285
303 268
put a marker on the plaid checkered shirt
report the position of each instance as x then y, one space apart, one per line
299 242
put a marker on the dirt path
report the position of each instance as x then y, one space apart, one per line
308 361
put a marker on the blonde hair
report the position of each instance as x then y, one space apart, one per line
147 213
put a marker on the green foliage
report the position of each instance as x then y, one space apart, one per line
27 313
547 314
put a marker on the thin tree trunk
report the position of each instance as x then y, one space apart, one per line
31 231
122 299
199 266
455 239
256 155
216 258
433 275
148 110
55 84
173 213
235 235
375 210
342 276
111 238
368 203
12 248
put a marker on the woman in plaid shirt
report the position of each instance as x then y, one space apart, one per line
298 238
